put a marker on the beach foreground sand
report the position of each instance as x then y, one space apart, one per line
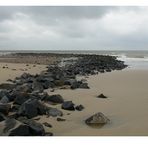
126 105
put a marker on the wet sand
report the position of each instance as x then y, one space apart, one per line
126 106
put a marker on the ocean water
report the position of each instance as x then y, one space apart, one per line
137 59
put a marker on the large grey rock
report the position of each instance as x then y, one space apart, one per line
54 112
98 119
32 108
28 109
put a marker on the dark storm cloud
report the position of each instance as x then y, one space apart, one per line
56 27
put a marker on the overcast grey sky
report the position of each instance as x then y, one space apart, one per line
81 28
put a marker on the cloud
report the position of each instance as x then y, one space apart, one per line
57 27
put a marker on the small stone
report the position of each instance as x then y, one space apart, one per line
61 119
68 105
84 86
37 118
79 107
52 90
47 124
102 96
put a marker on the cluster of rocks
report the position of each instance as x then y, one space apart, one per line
93 64
24 98
22 107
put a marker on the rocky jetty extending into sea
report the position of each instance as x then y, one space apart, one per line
24 98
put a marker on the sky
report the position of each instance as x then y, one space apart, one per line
73 28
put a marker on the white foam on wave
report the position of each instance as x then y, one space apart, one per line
134 62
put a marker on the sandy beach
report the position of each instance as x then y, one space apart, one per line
12 70
126 105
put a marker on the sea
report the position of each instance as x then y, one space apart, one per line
135 59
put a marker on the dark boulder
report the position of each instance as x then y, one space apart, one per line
2 117
28 109
28 127
21 98
36 129
98 119
55 99
4 100
21 130
79 107
37 87
31 108
102 96
5 108
68 105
